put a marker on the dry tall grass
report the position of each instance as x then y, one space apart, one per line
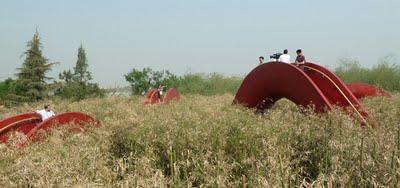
204 141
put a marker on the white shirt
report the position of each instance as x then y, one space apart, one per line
284 58
45 114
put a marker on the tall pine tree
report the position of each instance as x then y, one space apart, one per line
76 83
31 77
81 73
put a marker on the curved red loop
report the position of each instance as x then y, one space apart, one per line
152 97
64 119
19 123
269 82
305 85
172 94
30 123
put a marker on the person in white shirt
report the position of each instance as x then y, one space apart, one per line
285 57
45 113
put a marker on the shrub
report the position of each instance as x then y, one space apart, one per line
386 74
190 83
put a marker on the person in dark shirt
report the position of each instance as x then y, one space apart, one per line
300 59
261 59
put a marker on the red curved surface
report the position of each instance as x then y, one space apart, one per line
362 90
306 85
172 94
333 88
64 119
152 97
30 123
269 82
20 123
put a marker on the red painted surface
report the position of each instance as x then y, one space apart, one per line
361 90
30 123
316 86
172 94
20 123
333 90
152 97
269 82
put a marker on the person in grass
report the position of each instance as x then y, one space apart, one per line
160 92
46 113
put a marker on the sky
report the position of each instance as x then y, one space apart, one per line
224 36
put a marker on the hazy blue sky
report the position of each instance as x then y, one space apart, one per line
199 36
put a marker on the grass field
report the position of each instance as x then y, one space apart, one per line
205 141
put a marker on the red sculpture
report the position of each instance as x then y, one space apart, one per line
305 85
30 123
362 90
153 98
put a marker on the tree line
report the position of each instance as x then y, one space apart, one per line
190 83
32 82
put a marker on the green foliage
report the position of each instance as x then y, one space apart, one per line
386 74
5 87
142 81
67 76
76 85
193 83
78 91
81 74
31 82
5 90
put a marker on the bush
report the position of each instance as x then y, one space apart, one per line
192 83
385 75
142 81
76 84
78 91
5 88
196 83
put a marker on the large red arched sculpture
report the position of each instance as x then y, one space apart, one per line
361 90
30 123
309 84
152 97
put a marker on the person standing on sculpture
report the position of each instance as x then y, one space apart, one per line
285 57
300 59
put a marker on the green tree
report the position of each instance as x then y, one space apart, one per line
31 77
81 73
67 76
141 81
77 84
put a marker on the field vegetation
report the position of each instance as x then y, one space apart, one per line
201 141
205 141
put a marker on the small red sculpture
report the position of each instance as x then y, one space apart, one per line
153 98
